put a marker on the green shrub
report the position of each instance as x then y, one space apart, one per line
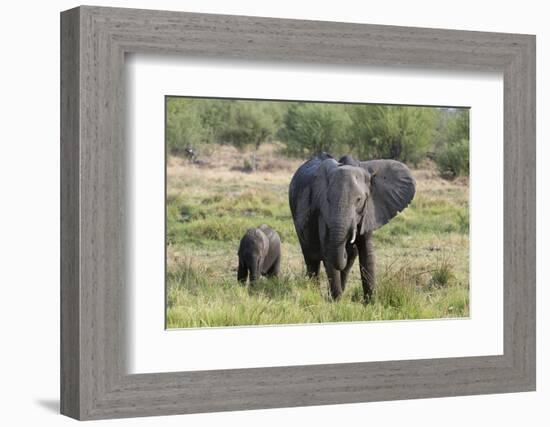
249 123
454 159
309 128
403 133
183 125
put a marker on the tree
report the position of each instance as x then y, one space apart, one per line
248 123
454 159
309 128
183 125
214 115
453 155
392 132
458 127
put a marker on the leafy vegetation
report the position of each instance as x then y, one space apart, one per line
392 132
453 156
407 133
194 122
453 160
311 128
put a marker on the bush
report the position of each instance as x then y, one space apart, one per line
195 123
402 133
405 133
183 125
249 123
454 159
310 128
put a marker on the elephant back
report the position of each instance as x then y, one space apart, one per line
271 234
253 241
303 178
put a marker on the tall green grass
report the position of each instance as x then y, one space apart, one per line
194 300
422 259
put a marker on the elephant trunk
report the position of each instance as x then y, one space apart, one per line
336 248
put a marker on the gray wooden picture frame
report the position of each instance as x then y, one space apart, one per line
94 382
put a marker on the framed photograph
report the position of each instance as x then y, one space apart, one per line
261 213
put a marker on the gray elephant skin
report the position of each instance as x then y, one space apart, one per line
259 254
337 205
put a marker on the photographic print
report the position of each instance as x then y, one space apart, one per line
296 212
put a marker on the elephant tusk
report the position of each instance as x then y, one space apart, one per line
353 236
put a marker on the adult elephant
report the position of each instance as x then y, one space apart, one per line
337 205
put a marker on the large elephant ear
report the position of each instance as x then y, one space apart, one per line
392 189
308 191
321 182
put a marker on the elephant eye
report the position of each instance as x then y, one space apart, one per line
358 200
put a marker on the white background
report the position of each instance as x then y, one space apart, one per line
153 349
29 218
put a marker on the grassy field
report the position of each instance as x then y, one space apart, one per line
422 254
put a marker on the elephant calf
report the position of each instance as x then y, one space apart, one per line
259 253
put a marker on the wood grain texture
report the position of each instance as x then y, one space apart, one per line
94 272
70 257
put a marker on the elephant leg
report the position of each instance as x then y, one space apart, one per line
313 262
334 281
275 268
242 272
313 267
352 254
366 262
